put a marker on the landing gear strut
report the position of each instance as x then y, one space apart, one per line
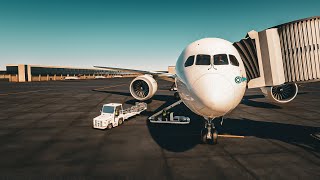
209 135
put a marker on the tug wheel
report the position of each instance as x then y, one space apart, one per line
120 121
109 126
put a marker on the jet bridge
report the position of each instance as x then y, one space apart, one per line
287 53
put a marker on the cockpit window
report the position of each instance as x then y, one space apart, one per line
189 61
203 59
233 60
220 59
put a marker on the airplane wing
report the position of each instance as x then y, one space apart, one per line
157 74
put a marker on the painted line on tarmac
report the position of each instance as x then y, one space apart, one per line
230 136
107 87
25 92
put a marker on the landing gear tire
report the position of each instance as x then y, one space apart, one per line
211 138
204 139
109 126
215 137
209 135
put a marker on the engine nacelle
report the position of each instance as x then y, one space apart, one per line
143 87
281 94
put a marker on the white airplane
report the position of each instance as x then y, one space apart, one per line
210 79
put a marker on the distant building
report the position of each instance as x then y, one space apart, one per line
171 69
28 73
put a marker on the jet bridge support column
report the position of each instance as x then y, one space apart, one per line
270 64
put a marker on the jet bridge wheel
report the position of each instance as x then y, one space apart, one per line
176 95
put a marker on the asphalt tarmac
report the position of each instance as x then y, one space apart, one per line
46 132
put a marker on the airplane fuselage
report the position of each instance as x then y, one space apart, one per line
210 77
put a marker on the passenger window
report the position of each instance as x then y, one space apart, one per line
220 59
203 59
189 61
233 60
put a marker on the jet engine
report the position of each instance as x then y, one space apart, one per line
281 94
143 87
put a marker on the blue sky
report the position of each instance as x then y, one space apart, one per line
132 34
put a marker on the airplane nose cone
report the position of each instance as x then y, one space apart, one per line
216 94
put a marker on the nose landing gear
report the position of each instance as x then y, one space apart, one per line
209 135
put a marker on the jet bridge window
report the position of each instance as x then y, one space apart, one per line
189 61
203 59
220 59
233 60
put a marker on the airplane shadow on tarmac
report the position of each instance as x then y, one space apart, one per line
247 100
293 134
179 138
